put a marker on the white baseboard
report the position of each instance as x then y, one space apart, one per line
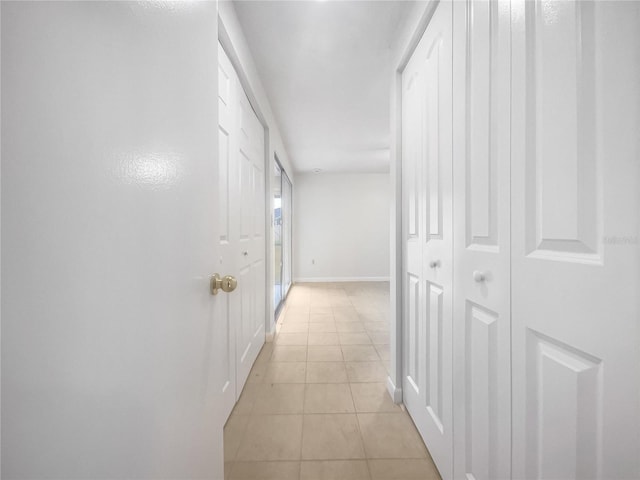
340 279
395 392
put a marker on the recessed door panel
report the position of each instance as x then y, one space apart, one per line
574 290
413 334
564 410
482 384
435 352
564 203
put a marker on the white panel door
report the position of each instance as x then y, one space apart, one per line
109 224
228 307
482 328
575 252
242 229
428 234
251 241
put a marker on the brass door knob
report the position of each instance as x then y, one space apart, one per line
226 284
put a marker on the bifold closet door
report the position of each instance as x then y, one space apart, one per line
428 237
575 252
481 179
251 242
241 203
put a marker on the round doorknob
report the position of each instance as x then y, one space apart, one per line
479 276
226 284
434 263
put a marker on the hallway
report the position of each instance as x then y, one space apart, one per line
315 406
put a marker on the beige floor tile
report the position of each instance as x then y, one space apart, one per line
372 398
326 372
345 314
354 339
340 302
297 310
296 318
379 338
258 373
279 398
366 372
325 327
244 406
321 318
360 353
324 339
294 327
350 327
321 311
406 469
233 433
390 435
298 302
228 466
331 437
345 311
265 353
291 339
377 326
319 302
286 372
271 437
286 353
334 470
265 471
324 353
384 351
372 314
328 398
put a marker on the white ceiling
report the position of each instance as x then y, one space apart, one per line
327 69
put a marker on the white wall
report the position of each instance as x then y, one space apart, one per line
233 40
341 221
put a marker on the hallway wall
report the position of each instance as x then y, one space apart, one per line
341 222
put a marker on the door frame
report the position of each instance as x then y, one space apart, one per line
408 41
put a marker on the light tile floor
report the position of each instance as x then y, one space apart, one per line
315 406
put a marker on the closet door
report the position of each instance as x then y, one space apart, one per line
575 252
428 232
228 305
252 244
242 231
482 325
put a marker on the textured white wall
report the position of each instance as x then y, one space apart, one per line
341 221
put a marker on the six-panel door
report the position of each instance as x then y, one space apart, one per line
242 230
428 234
